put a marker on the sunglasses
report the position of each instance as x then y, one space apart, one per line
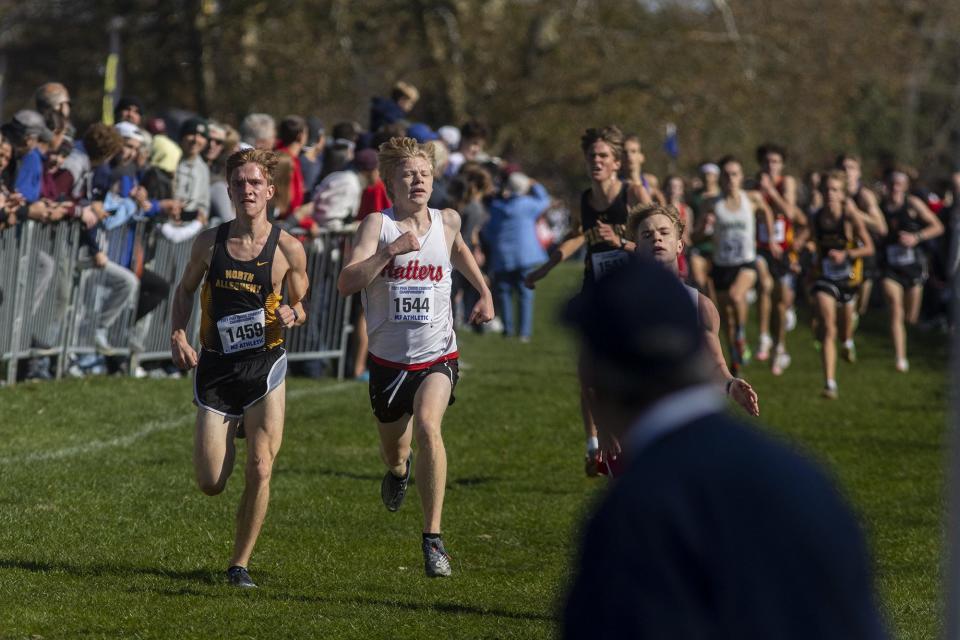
216 141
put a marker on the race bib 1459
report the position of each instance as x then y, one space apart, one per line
242 331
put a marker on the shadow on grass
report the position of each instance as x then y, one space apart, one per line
86 570
470 481
265 593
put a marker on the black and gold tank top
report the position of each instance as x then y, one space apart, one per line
238 305
601 255
832 234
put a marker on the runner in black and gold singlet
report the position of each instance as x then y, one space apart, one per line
603 217
240 332
239 387
842 241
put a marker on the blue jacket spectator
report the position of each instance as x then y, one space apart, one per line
511 231
514 250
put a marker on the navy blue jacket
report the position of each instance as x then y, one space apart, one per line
717 531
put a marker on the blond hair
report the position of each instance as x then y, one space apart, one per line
394 151
639 213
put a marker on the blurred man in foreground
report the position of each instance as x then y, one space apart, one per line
714 530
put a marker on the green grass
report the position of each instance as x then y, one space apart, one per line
104 534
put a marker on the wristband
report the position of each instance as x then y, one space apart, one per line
623 242
730 384
23 212
296 316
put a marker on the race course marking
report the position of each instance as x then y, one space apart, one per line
148 429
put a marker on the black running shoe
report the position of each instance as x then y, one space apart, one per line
393 489
238 577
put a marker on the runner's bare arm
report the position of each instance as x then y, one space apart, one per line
866 247
570 245
872 215
737 388
184 355
367 260
294 314
933 228
761 206
463 261
638 194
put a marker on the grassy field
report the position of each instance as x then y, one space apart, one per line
103 533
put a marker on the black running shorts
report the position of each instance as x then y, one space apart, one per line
392 390
841 291
724 277
227 385
778 267
907 276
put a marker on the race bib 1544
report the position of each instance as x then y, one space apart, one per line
411 303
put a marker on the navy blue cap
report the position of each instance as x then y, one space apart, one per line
637 316
422 132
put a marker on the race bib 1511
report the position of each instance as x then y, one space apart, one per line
605 261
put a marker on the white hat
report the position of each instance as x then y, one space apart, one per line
450 136
518 183
129 130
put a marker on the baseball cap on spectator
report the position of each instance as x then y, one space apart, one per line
709 167
125 102
194 125
366 160
129 130
638 318
518 183
422 132
31 123
450 136
165 154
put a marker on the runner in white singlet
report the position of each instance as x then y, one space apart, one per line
657 230
734 270
402 263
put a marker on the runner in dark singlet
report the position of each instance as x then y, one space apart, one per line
601 226
867 203
910 222
243 265
841 241
776 275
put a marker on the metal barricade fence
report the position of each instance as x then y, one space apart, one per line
9 262
45 263
95 293
325 333
52 302
168 260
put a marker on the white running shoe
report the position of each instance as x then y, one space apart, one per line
903 365
790 319
763 349
780 362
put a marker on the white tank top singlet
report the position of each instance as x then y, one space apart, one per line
734 234
695 296
407 306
